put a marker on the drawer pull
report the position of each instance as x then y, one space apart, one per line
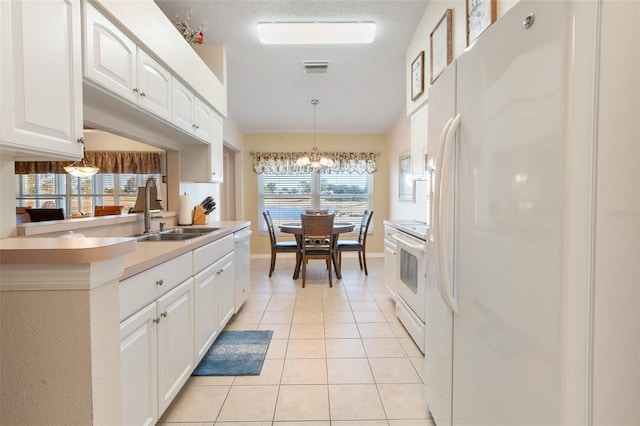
160 282
164 314
156 320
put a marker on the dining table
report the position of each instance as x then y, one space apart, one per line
295 228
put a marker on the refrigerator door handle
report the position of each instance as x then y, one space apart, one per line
445 278
436 214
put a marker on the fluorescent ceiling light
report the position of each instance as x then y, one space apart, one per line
316 32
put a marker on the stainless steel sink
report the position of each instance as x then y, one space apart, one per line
175 234
166 237
191 230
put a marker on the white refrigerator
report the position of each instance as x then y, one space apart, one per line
533 276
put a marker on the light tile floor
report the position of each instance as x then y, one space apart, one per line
338 356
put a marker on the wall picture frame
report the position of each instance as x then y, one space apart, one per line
480 15
441 43
417 76
406 185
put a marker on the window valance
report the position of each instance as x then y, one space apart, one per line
108 162
285 162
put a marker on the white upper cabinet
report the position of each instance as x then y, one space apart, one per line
204 162
190 113
41 78
110 56
182 100
115 62
419 126
217 149
154 86
202 116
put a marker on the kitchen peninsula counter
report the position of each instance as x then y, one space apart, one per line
150 254
60 313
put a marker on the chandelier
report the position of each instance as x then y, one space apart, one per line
315 158
81 168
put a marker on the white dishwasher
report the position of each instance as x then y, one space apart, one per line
242 260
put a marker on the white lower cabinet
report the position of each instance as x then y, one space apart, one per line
390 260
169 319
139 367
206 310
215 302
156 353
226 290
175 342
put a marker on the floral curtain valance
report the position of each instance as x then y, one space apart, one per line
106 161
285 162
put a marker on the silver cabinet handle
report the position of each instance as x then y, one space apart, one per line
136 90
143 94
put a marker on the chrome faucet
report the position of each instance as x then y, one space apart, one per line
147 202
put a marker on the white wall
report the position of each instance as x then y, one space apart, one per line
420 41
399 144
400 136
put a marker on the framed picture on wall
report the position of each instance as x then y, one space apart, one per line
407 186
441 45
417 76
480 14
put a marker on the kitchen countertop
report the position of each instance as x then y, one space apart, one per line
150 254
412 227
63 250
140 255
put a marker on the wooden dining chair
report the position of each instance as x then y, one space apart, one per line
358 245
317 237
316 212
106 210
278 247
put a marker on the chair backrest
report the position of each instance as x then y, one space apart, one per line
43 215
364 226
317 230
272 232
107 210
22 216
316 212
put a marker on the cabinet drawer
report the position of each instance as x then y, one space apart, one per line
206 255
147 286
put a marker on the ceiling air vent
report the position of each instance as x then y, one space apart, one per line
315 67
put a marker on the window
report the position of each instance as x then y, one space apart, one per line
286 196
75 194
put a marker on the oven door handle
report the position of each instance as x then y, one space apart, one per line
444 284
419 247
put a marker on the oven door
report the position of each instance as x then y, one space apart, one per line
412 272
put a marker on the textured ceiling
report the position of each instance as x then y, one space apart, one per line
268 92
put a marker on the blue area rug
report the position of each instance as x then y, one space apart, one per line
235 353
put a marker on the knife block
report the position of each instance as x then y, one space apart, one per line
199 218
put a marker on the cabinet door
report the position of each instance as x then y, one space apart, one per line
41 78
202 116
242 266
154 86
206 311
110 56
175 342
390 267
419 123
182 100
217 160
226 290
138 357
